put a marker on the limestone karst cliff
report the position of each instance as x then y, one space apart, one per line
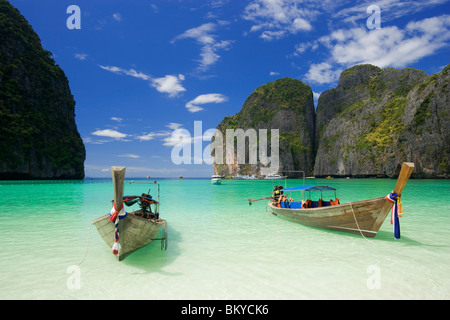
373 120
287 105
377 118
38 134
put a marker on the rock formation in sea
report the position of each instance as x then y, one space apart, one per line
38 134
287 105
373 120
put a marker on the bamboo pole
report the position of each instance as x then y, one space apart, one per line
118 177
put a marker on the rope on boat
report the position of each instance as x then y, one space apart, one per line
87 246
354 216
164 238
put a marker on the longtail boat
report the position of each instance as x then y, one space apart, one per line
126 232
363 217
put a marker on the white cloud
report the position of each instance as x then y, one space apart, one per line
181 137
210 46
272 73
391 46
279 18
131 72
316 95
129 155
178 137
116 119
169 84
153 135
109 133
322 73
174 125
193 105
81 56
117 17
390 9
385 47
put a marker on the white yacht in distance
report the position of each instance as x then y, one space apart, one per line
273 176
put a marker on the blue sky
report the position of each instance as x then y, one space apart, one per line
140 69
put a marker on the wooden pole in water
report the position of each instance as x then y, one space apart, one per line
403 177
118 178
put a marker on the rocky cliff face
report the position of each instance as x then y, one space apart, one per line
38 134
374 120
287 105
377 118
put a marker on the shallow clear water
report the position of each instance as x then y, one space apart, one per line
219 246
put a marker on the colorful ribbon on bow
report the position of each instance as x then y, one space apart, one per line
115 216
397 211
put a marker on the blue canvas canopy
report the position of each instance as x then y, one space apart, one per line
309 188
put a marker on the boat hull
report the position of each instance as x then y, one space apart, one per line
134 232
361 217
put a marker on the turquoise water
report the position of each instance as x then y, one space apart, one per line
219 246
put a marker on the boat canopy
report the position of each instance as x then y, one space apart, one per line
309 188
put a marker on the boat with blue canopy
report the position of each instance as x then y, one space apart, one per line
363 217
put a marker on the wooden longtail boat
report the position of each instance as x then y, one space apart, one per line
130 231
361 217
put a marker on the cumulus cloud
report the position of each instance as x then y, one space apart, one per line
322 73
385 47
194 105
109 133
169 84
276 19
391 9
389 46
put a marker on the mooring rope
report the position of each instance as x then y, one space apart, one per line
164 238
87 246
354 216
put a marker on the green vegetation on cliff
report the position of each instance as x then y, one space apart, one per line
39 138
374 120
377 118
287 105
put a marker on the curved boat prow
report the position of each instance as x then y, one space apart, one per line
403 177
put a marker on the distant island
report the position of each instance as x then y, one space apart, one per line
38 135
374 120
